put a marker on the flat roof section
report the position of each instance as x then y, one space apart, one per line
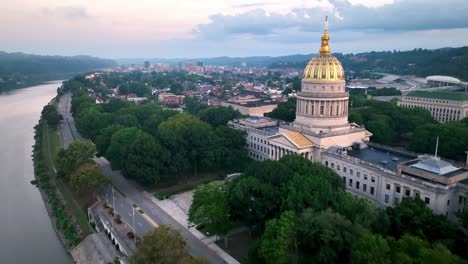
380 157
455 96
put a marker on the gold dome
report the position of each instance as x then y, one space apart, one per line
324 67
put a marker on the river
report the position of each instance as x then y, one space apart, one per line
27 235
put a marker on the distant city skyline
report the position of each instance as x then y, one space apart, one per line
209 28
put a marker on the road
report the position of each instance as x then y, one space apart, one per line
124 205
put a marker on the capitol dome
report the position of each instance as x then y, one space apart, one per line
324 67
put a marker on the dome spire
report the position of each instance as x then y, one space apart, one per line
325 47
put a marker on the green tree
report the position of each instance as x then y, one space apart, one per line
144 160
120 142
77 153
210 207
87 178
369 248
163 245
217 116
278 243
190 142
285 111
51 115
326 236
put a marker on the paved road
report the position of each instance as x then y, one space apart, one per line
132 195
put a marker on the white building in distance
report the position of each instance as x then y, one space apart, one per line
444 106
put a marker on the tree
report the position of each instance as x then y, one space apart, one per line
77 153
285 111
120 141
410 249
326 236
162 245
217 116
210 207
190 142
51 115
87 178
369 248
144 160
278 243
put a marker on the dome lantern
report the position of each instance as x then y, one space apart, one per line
324 67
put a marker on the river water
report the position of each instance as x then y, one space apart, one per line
26 233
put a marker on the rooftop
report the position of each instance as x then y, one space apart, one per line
253 103
381 157
297 139
95 248
440 78
435 165
456 96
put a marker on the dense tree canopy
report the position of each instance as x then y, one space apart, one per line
163 245
51 115
87 178
303 212
76 154
285 111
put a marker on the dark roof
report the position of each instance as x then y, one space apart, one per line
457 96
380 157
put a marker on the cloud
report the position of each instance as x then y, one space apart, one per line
403 15
69 12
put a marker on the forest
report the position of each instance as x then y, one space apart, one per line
298 211
151 144
19 70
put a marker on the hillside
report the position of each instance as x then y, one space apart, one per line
19 70
420 62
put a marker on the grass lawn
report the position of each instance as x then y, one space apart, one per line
185 183
238 246
52 141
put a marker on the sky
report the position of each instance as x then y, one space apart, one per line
236 28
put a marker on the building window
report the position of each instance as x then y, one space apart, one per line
351 171
364 187
397 200
344 180
351 182
357 185
326 163
387 186
365 176
338 167
427 200
345 169
397 188
372 190
386 198
358 174
448 202
417 194
333 165
372 179
407 192
321 110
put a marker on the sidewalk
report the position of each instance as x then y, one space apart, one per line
170 207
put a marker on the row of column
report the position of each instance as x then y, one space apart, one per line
322 108
277 153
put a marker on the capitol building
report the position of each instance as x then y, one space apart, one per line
322 133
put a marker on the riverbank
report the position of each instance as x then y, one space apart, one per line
62 219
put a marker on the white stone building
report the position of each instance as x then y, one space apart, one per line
444 106
321 133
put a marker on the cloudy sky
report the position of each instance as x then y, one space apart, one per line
207 28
